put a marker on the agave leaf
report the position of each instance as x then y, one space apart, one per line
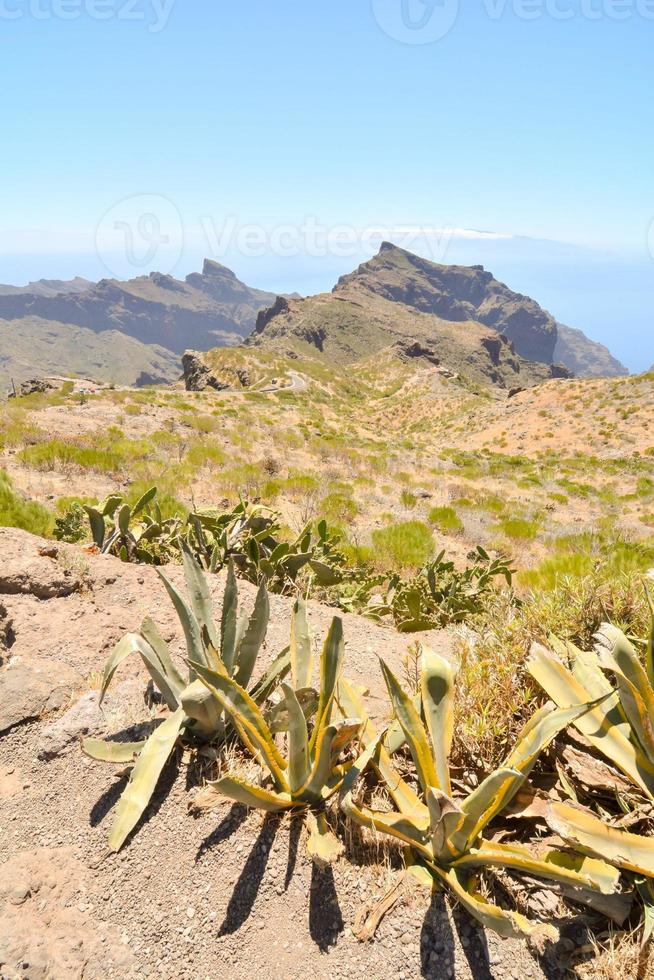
413 730
590 835
228 623
323 845
411 828
330 668
253 639
574 870
146 499
248 721
275 673
645 888
301 656
277 718
192 632
144 778
98 528
168 684
198 590
250 795
323 761
437 687
352 706
507 924
153 637
445 817
298 742
202 708
481 806
649 655
596 724
636 695
411 831
120 752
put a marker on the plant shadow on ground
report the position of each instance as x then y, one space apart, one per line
111 796
325 917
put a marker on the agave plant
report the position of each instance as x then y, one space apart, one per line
621 725
312 771
196 717
444 833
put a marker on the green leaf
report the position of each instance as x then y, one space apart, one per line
118 752
254 638
144 778
277 671
413 729
301 656
437 686
194 646
98 527
248 720
298 742
133 643
330 667
323 845
229 621
198 590
250 795
146 499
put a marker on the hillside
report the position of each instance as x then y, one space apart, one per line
400 295
123 331
32 347
48 287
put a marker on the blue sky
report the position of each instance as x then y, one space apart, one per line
223 121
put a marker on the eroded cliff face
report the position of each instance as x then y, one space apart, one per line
459 294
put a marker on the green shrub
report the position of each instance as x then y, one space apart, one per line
28 515
518 528
445 519
406 545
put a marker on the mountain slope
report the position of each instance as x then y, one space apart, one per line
48 287
584 357
349 325
458 294
31 347
207 310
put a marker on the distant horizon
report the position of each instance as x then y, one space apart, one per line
581 287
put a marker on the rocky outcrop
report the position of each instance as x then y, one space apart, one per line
198 376
33 386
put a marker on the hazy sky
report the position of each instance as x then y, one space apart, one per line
275 135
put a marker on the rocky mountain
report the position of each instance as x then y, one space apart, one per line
48 287
584 357
352 324
126 332
458 294
392 294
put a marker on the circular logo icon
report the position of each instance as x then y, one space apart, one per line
140 234
416 21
